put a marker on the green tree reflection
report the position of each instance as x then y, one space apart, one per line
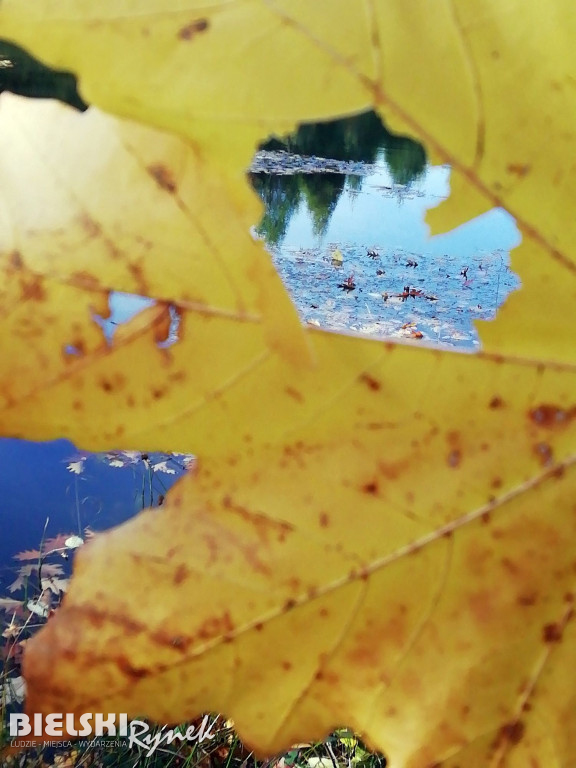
405 158
321 192
362 139
281 197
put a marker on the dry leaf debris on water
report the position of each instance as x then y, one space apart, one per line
445 317
407 512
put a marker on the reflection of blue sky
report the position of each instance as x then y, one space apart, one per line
123 306
392 217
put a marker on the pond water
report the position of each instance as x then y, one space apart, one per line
51 491
344 222
365 262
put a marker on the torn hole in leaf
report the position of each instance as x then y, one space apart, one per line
173 329
344 219
150 475
70 349
122 308
69 498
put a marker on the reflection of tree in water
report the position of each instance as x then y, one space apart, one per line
357 139
405 158
281 197
322 191
283 194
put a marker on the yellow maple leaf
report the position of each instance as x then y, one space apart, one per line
381 538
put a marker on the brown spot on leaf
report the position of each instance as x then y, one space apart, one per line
194 28
481 605
287 665
551 416
453 437
84 279
89 225
163 177
32 289
370 488
551 633
294 583
393 469
331 678
136 673
496 482
16 260
528 599
141 284
454 458
510 566
294 394
496 402
288 605
267 529
324 519
518 169
370 382
182 573
215 626
513 732
169 640
544 454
